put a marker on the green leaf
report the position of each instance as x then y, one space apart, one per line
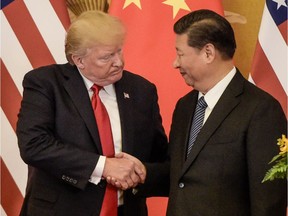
278 171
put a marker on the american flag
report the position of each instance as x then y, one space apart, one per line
269 67
32 35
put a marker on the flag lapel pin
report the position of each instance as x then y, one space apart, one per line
126 95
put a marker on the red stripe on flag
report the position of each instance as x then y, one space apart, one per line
11 98
265 77
11 197
28 34
283 30
61 11
38 54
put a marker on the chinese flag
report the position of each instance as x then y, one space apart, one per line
149 50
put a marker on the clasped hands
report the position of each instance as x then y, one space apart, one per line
124 171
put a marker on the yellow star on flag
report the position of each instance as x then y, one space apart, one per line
177 5
136 2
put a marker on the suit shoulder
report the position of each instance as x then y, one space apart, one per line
47 69
42 70
258 99
251 94
49 72
189 96
257 93
136 79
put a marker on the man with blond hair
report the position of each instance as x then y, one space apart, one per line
60 131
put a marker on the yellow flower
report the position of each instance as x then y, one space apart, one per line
280 167
283 144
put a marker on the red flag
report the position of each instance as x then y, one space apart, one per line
149 50
269 67
34 34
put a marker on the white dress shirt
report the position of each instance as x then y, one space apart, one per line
108 97
214 94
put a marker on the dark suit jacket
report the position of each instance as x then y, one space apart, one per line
222 175
58 138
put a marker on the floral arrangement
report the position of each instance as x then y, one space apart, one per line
279 170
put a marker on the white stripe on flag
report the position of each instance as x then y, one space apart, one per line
50 27
10 154
13 54
3 213
274 47
250 78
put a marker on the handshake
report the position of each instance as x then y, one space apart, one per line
124 171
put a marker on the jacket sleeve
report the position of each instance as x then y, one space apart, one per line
41 144
267 125
157 180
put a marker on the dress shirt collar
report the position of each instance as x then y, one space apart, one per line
109 89
213 95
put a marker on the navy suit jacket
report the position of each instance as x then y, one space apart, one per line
59 140
222 175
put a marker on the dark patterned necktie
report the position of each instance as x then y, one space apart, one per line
197 122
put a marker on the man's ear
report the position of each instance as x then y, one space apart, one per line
78 61
210 52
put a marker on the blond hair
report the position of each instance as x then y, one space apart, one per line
90 29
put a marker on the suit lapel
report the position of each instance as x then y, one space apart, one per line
188 111
81 100
125 105
227 102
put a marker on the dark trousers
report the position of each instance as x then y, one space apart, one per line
121 210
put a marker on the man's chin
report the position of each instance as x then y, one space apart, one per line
117 76
188 82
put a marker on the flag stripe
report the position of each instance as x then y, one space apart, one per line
11 104
34 36
3 213
269 66
15 165
61 11
50 29
268 82
9 53
268 33
283 30
11 198
30 38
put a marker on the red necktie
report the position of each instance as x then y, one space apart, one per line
109 205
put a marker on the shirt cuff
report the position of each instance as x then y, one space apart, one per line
96 176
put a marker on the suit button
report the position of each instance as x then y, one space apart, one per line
181 185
